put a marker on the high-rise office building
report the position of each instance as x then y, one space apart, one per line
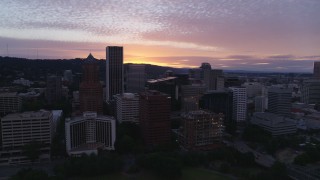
89 133
127 107
90 91
114 71
135 78
316 70
21 129
54 89
168 85
201 130
212 78
219 102
190 95
239 103
279 100
155 117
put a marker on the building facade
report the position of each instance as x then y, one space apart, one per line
201 130
114 71
274 124
260 103
135 78
90 91
310 91
239 103
279 100
253 89
219 102
10 103
54 89
89 133
213 79
127 107
154 115
190 96
21 129
316 70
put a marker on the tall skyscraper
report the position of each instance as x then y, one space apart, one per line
155 117
316 70
135 78
279 100
90 91
114 71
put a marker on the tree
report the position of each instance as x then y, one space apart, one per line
30 174
125 144
279 170
32 150
162 165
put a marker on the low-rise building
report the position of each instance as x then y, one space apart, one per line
20 129
274 124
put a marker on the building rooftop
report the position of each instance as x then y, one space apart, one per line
90 115
90 59
271 119
28 115
8 94
161 80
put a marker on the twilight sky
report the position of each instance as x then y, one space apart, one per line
269 35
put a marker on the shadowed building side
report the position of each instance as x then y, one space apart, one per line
91 93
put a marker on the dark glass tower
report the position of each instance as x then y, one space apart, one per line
114 71
91 97
154 111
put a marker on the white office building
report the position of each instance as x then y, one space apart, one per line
239 103
19 130
89 133
127 107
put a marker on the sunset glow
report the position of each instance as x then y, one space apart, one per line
228 34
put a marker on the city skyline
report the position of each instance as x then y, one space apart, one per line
280 36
